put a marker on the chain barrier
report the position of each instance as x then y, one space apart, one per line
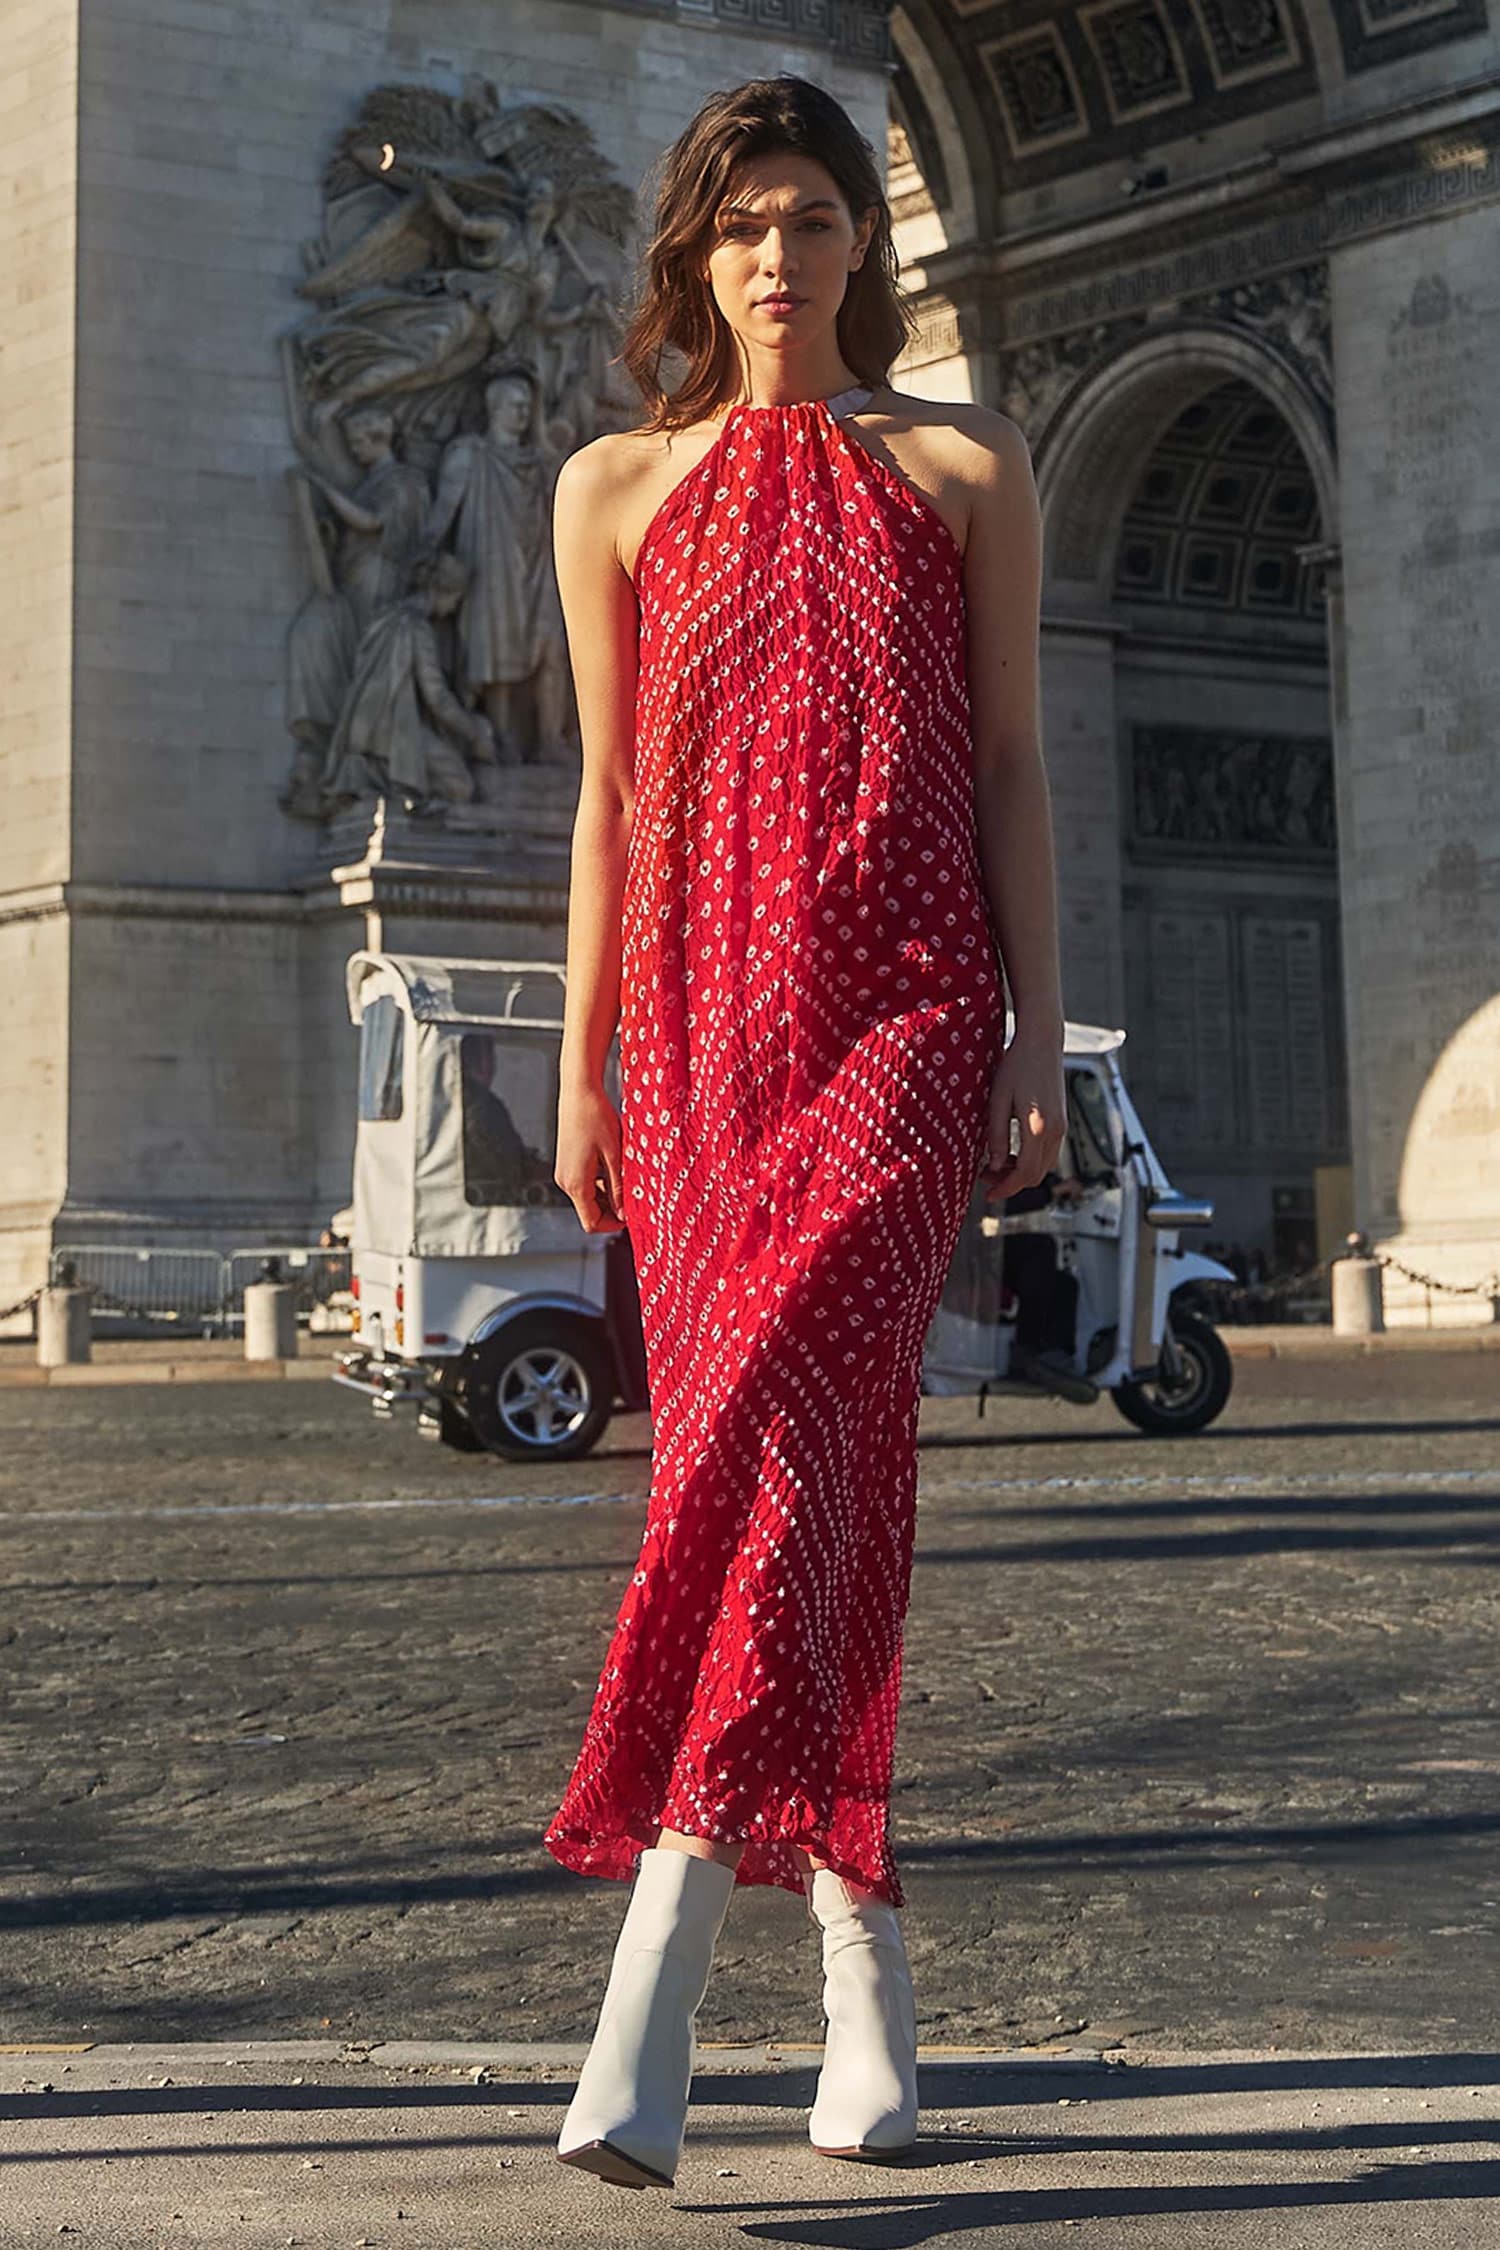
22 1304
1490 1287
1304 1281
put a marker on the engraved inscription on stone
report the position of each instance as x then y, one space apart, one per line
1191 1016
1286 1032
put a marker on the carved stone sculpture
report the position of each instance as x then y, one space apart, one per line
459 346
402 730
494 500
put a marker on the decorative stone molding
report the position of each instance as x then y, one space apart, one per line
1196 255
1088 463
1374 32
858 29
1063 89
149 902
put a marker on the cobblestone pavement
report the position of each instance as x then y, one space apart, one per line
1198 1744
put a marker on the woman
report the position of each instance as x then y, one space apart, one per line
802 617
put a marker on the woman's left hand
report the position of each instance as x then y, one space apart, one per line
1028 1086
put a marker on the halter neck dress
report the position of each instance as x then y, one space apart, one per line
811 1015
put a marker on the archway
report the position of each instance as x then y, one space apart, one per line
1189 507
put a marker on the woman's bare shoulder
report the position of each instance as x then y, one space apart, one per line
962 427
590 470
615 469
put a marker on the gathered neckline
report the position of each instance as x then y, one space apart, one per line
914 498
847 401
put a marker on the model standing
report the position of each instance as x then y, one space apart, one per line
802 619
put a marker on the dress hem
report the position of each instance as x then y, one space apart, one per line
613 1855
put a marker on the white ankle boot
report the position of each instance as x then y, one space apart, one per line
866 2101
627 2118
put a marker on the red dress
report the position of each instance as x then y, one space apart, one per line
811 1015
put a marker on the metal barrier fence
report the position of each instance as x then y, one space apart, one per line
178 1288
203 1290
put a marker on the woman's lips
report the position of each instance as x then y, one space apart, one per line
781 304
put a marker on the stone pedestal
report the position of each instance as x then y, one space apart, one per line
1357 1305
271 1320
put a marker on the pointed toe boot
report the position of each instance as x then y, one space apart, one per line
866 2103
627 2118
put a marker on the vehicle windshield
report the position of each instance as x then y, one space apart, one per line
381 1046
510 1090
1091 1127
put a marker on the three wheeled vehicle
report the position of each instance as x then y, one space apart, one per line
481 1301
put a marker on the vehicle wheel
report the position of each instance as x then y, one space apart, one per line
542 1390
1201 1395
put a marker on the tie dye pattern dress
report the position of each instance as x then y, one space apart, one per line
811 1015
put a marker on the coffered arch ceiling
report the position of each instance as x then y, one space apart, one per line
1036 90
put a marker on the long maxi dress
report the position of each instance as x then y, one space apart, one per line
811 1015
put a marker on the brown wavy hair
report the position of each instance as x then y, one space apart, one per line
674 310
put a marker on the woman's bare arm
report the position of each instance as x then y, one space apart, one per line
1002 590
599 610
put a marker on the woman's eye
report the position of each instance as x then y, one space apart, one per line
737 234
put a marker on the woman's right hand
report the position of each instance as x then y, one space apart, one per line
588 1159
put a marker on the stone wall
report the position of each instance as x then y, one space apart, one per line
1417 322
183 143
38 158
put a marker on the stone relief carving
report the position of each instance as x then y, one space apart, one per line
463 320
1036 377
1290 310
1197 786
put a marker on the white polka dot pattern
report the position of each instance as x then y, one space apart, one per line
811 1014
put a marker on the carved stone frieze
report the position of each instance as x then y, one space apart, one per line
1214 789
858 29
1420 180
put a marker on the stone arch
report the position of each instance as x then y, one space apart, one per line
1191 746
925 49
1086 469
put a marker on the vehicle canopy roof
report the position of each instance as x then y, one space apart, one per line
481 993
415 1190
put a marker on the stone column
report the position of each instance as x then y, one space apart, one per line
1419 449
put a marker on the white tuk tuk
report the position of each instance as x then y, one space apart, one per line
1082 1285
480 1300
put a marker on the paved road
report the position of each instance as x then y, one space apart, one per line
1198 1751
134 2150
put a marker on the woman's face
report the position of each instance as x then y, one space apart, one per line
783 232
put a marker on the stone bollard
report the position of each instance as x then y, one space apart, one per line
271 1320
1358 1301
64 1326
